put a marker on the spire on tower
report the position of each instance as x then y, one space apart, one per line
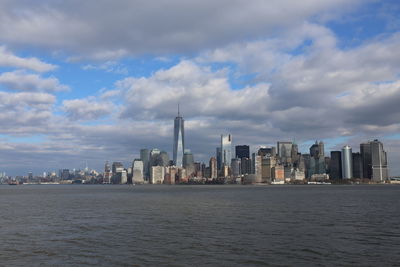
178 110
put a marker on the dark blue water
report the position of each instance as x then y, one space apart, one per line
109 225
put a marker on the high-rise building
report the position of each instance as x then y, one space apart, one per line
284 151
164 158
157 174
267 163
335 166
347 163
294 154
213 168
235 167
365 151
179 140
357 165
226 150
266 151
314 150
379 162
137 171
242 151
321 149
107 174
246 165
257 168
218 156
188 162
374 160
145 157
317 159
116 165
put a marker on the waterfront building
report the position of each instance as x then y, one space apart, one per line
314 150
284 151
242 151
124 176
321 149
179 140
347 163
235 167
278 174
65 175
145 157
319 177
155 158
188 162
298 175
335 166
226 149
218 157
294 154
137 171
365 151
374 161
170 175
107 174
181 175
379 162
157 174
245 165
257 168
213 168
267 163
119 175
115 166
357 165
225 171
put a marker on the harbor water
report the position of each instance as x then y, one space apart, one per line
215 225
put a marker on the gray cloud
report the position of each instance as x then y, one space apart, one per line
87 109
137 27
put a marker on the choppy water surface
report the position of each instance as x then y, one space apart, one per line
199 225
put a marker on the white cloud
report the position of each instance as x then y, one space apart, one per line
200 91
22 81
7 59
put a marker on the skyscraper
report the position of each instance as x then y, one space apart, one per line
374 160
284 151
179 140
336 165
347 163
357 165
242 151
226 150
137 171
213 168
379 161
365 151
145 157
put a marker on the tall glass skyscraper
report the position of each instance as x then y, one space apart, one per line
226 150
179 140
347 162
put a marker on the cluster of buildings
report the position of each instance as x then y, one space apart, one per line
278 164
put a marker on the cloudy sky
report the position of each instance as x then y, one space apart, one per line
96 80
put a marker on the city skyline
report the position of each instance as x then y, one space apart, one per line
78 86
